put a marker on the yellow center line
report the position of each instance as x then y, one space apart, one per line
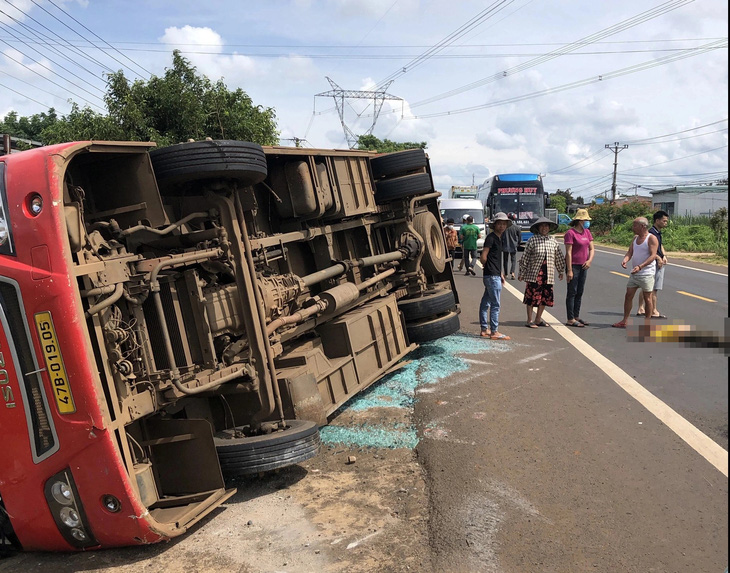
619 274
696 296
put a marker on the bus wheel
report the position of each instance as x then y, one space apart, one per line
434 252
398 163
430 303
433 328
241 455
402 187
242 161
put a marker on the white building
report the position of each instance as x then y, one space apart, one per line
693 200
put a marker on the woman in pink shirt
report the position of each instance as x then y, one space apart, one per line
578 257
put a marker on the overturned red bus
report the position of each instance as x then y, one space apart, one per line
171 318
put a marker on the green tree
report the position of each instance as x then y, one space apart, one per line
567 195
558 202
28 127
632 209
372 143
183 105
82 124
602 217
718 222
179 106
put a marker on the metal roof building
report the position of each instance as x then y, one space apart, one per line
693 200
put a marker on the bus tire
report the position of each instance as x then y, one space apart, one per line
239 456
398 163
242 161
430 303
402 187
434 244
433 328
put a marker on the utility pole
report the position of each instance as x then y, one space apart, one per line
616 150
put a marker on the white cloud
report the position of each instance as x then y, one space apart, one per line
280 53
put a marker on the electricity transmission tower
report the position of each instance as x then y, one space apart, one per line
616 151
340 95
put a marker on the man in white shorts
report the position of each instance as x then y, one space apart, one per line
642 254
661 220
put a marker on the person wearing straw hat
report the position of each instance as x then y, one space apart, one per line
493 279
579 253
542 257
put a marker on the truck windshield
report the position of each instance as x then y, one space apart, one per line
457 214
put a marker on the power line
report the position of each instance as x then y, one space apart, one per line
57 64
581 161
24 95
63 40
673 160
17 79
587 40
389 46
76 32
649 140
378 57
49 45
49 80
448 40
581 83
646 141
102 39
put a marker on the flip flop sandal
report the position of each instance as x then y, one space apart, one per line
542 323
576 324
500 337
658 316
583 322
531 325
640 313
619 325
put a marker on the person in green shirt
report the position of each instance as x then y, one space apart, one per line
468 235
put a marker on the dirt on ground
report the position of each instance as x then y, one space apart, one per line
349 509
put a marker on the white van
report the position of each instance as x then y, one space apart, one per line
456 208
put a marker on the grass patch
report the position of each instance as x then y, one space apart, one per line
695 238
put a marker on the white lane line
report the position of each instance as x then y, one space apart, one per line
668 264
698 441
702 444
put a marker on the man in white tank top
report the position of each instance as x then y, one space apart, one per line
642 254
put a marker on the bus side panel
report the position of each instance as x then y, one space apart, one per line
85 446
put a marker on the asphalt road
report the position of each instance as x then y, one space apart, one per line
691 380
563 450
547 453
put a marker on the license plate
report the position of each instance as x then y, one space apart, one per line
54 363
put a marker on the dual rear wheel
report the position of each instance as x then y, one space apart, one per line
430 316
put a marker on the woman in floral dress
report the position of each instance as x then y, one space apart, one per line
542 257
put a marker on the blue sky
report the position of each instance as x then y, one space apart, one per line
501 86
